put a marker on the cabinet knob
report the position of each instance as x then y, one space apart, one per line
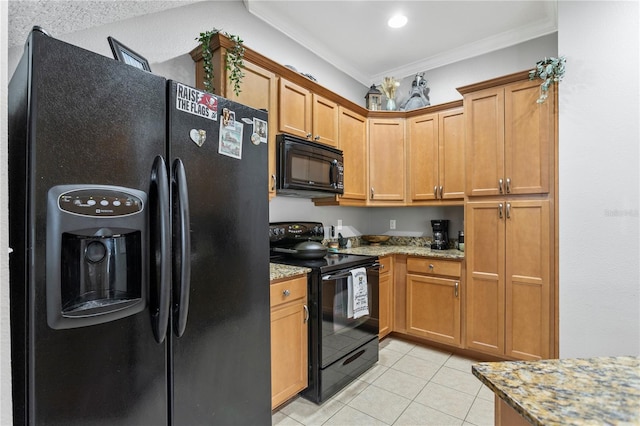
308 135
286 293
317 137
431 266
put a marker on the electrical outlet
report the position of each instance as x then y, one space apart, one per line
392 224
339 225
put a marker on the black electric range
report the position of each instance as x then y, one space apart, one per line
341 346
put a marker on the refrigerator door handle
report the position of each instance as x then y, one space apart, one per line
160 249
181 259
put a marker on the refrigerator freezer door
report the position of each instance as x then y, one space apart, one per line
221 364
78 118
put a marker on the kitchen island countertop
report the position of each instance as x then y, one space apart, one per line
603 390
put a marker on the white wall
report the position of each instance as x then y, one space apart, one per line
166 38
599 180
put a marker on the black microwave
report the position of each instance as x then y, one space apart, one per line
308 169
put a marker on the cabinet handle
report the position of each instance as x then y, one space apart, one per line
286 293
500 185
273 184
441 192
382 266
306 314
372 193
500 206
455 292
508 185
435 191
309 135
317 137
508 210
431 267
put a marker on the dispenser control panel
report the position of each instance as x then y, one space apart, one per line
99 202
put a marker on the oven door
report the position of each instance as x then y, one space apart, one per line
341 332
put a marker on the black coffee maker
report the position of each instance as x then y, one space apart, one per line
440 234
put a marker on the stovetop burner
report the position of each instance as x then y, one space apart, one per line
288 234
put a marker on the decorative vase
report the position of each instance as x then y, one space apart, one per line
391 104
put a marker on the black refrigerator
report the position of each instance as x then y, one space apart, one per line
138 221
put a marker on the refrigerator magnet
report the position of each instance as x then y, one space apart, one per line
260 127
255 138
228 118
196 102
198 136
231 140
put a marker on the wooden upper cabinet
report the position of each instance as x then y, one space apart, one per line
259 90
353 143
509 140
294 107
307 115
325 120
386 161
451 162
436 156
529 137
423 157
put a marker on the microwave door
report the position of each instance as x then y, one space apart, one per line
309 169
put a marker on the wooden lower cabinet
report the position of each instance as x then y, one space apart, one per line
508 285
289 336
385 311
434 294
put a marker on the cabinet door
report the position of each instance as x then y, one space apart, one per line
451 164
289 334
325 121
385 296
294 109
485 283
423 157
433 308
289 360
259 90
529 134
353 143
386 160
528 279
484 126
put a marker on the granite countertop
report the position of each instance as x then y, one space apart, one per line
568 391
384 250
279 271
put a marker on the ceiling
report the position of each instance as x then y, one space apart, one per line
351 35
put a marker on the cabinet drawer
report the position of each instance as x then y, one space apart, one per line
385 264
289 290
421 265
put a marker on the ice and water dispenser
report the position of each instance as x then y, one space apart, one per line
96 254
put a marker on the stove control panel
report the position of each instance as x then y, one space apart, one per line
280 232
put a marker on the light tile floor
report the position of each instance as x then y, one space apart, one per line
410 385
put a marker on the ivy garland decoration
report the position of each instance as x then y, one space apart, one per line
234 60
549 70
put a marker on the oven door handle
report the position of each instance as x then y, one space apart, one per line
374 267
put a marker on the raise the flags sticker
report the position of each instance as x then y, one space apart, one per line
196 102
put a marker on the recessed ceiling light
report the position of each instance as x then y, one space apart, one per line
397 21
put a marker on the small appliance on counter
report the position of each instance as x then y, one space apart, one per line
440 234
